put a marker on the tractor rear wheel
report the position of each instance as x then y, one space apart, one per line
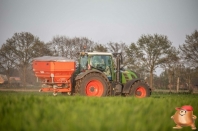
140 89
93 84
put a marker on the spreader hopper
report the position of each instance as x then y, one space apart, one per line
54 72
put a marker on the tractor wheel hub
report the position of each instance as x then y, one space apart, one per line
92 89
138 93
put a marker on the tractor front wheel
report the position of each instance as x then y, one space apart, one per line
140 89
93 84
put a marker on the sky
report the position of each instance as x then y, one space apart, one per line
102 21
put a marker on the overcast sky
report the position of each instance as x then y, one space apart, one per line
99 20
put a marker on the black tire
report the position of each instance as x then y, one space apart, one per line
93 84
140 89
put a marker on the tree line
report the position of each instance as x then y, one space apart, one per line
180 65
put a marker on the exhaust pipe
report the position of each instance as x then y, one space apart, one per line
118 67
118 87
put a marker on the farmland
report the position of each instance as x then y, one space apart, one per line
41 111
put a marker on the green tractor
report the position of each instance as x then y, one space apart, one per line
98 75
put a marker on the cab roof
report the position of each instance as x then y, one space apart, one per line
98 53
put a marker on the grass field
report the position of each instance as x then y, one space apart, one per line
31 111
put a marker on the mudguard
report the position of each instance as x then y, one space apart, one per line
83 74
127 86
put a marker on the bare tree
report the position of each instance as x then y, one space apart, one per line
7 59
115 47
100 48
24 47
69 47
169 63
151 50
133 60
189 50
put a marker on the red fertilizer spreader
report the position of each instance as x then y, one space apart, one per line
55 73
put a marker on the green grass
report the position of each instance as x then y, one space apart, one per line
21 111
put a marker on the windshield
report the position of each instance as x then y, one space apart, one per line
100 62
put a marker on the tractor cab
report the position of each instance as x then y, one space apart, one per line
97 61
